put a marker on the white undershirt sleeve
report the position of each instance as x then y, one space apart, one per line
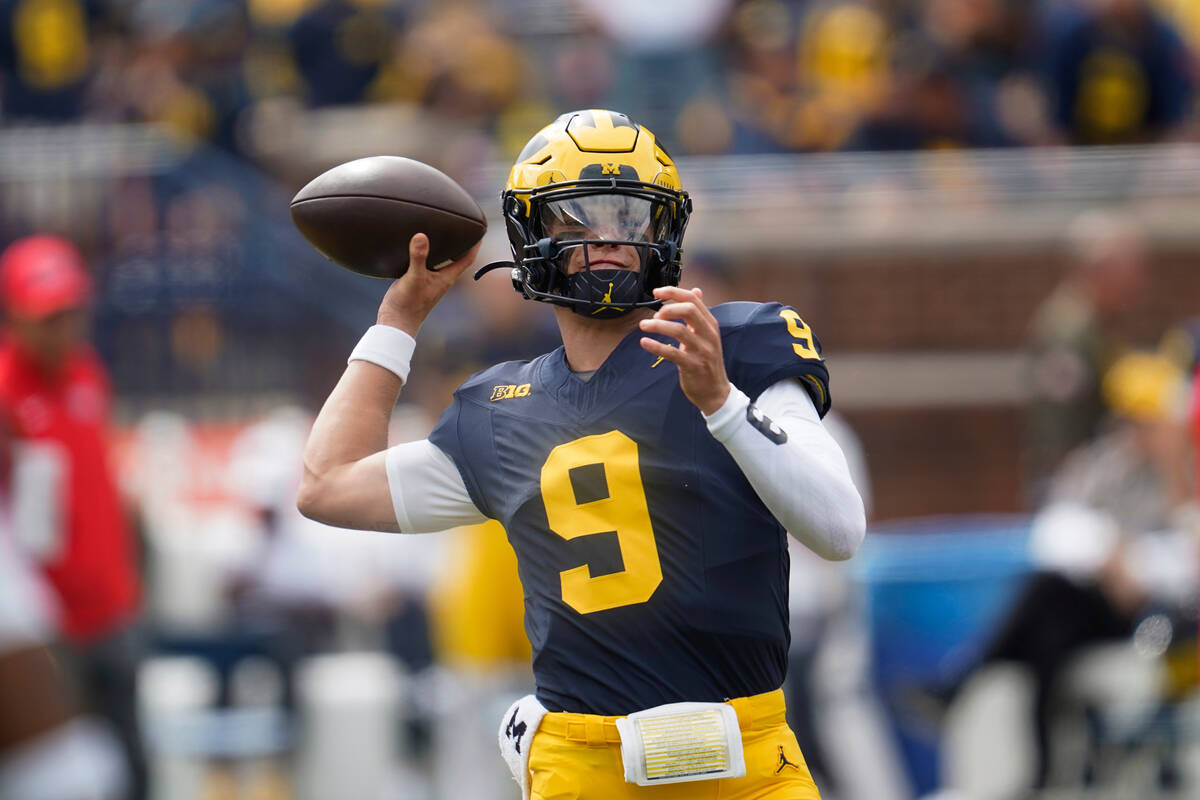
794 465
428 492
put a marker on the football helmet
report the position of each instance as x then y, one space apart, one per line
589 194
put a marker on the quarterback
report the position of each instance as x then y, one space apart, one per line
647 474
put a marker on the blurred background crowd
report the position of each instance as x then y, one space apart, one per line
713 76
986 209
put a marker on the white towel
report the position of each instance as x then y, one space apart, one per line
517 728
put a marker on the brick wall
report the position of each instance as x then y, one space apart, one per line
948 460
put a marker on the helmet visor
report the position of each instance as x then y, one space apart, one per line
606 217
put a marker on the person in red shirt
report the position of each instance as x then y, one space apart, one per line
67 511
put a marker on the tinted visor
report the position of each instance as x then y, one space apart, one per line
608 217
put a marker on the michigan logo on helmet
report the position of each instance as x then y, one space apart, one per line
595 213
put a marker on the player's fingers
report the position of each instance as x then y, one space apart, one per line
692 314
685 311
675 294
676 330
452 271
670 353
672 295
418 253
704 309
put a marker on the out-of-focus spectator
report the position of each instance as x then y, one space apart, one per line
340 48
843 62
46 750
666 25
67 510
801 75
990 46
48 50
832 705
1072 340
478 624
1113 544
461 67
1118 72
926 108
734 77
307 582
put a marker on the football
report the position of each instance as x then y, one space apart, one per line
363 213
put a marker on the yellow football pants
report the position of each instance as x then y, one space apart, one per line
578 757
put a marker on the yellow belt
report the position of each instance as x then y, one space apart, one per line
757 711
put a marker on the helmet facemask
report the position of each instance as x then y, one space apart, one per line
603 244
600 250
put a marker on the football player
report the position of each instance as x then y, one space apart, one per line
645 472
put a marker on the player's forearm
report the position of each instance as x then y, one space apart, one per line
799 473
351 427
345 479
353 423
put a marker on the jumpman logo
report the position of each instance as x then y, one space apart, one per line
606 299
783 762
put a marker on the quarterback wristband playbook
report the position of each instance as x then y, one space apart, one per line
681 742
387 347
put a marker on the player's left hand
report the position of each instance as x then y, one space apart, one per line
685 318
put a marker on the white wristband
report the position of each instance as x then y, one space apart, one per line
387 347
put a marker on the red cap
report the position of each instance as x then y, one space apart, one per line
41 275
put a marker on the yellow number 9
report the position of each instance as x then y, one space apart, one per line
624 510
799 329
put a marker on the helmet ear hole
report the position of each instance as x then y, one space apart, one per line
512 205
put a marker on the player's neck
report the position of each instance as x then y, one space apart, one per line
588 342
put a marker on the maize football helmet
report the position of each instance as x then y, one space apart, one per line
587 184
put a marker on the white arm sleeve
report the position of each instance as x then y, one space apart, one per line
794 465
428 493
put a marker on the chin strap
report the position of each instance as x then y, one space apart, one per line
486 268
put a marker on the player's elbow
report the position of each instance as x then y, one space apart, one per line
847 529
311 498
307 500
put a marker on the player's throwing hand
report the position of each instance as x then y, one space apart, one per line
411 297
684 317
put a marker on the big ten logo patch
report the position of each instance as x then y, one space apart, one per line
509 391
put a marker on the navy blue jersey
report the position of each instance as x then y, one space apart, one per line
652 572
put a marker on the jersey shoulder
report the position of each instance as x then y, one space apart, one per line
465 430
503 381
734 315
767 342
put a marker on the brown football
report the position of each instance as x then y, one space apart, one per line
363 213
